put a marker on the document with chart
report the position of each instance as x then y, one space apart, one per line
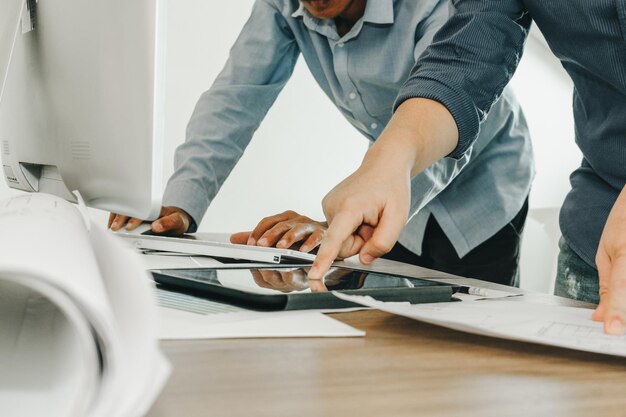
78 319
566 327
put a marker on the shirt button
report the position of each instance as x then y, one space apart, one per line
352 96
340 44
374 125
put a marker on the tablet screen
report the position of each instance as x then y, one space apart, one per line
281 280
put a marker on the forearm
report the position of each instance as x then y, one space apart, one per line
421 132
472 58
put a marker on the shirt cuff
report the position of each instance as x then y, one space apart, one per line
189 197
459 105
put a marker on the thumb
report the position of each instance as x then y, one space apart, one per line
615 310
385 235
173 224
603 262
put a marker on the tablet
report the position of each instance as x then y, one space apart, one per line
287 288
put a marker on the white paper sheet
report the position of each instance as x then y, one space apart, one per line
104 303
187 317
176 324
566 327
177 261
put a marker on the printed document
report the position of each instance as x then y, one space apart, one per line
566 327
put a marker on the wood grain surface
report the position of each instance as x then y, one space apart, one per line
401 368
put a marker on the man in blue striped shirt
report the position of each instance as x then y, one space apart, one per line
360 53
453 87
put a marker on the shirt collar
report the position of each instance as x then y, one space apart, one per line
379 12
300 12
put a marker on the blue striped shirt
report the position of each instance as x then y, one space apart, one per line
362 73
474 56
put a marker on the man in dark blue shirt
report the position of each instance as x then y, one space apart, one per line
441 107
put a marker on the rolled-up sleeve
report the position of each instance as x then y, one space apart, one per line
471 60
227 115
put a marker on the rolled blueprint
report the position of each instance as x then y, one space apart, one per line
78 329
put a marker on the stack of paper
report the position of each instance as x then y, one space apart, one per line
78 323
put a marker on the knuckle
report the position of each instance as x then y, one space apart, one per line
279 229
291 235
263 224
380 245
318 234
347 204
302 229
169 222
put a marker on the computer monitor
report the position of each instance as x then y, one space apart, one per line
9 20
83 103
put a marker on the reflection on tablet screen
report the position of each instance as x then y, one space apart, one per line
294 280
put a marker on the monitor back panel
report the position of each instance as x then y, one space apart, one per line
83 106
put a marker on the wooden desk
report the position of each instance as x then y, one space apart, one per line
401 368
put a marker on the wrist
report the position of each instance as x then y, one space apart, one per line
394 150
421 132
187 220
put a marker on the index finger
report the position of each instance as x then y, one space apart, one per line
240 238
339 230
118 221
267 223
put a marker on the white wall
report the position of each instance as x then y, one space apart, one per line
545 91
302 149
305 147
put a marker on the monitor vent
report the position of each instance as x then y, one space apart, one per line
5 147
80 150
